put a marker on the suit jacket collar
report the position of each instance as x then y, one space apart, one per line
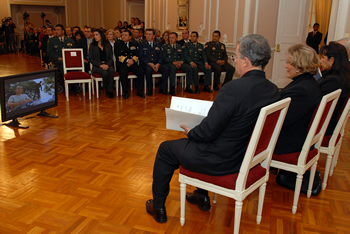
257 73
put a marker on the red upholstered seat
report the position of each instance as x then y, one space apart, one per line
116 74
130 74
76 75
292 158
96 75
179 71
227 181
325 141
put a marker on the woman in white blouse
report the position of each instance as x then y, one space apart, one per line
111 39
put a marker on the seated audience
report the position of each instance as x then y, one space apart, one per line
302 63
127 53
151 60
158 36
111 39
75 29
196 57
165 38
118 34
217 57
335 75
126 26
120 24
185 37
217 145
174 59
101 58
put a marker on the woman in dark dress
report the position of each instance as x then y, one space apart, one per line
101 57
335 75
302 64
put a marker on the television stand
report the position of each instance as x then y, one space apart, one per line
45 114
16 124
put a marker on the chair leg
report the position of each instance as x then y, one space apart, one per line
212 80
335 159
154 82
83 84
117 87
67 91
182 203
297 193
92 86
262 190
131 84
89 84
97 89
326 171
215 196
311 180
238 213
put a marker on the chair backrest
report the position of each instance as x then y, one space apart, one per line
342 118
320 122
73 60
263 140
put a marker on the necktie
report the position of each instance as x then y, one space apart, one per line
89 44
127 44
151 44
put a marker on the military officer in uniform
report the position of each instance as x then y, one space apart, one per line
174 59
196 57
55 46
151 58
217 56
127 54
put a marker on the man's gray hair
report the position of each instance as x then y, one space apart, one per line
256 48
346 42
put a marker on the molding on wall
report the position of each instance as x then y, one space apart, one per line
159 14
246 17
34 2
209 20
166 14
343 11
236 22
80 19
66 12
256 16
217 14
124 13
87 12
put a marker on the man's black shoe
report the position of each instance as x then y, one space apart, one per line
207 89
111 95
197 90
125 95
189 90
203 202
162 91
150 93
159 215
140 94
172 91
216 87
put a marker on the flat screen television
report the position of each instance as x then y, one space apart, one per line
27 93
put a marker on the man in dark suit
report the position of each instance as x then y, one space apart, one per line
44 40
55 46
127 54
85 43
314 38
217 57
185 37
151 58
217 145
174 59
196 57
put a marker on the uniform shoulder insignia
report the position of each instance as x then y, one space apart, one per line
206 45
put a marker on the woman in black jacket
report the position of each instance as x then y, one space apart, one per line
101 57
335 75
302 63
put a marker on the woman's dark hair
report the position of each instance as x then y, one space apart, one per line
340 65
121 23
127 25
103 38
79 33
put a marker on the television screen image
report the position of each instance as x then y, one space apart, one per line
27 93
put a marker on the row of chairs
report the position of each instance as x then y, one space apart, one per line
74 72
254 171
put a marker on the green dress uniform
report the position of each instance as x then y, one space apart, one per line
176 54
54 51
194 52
217 51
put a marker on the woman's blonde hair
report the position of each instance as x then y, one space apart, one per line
111 30
304 58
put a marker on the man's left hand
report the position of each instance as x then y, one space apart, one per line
184 127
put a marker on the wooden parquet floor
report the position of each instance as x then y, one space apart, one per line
90 171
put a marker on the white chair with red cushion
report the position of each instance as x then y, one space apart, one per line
300 162
252 174
74 71
331 144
